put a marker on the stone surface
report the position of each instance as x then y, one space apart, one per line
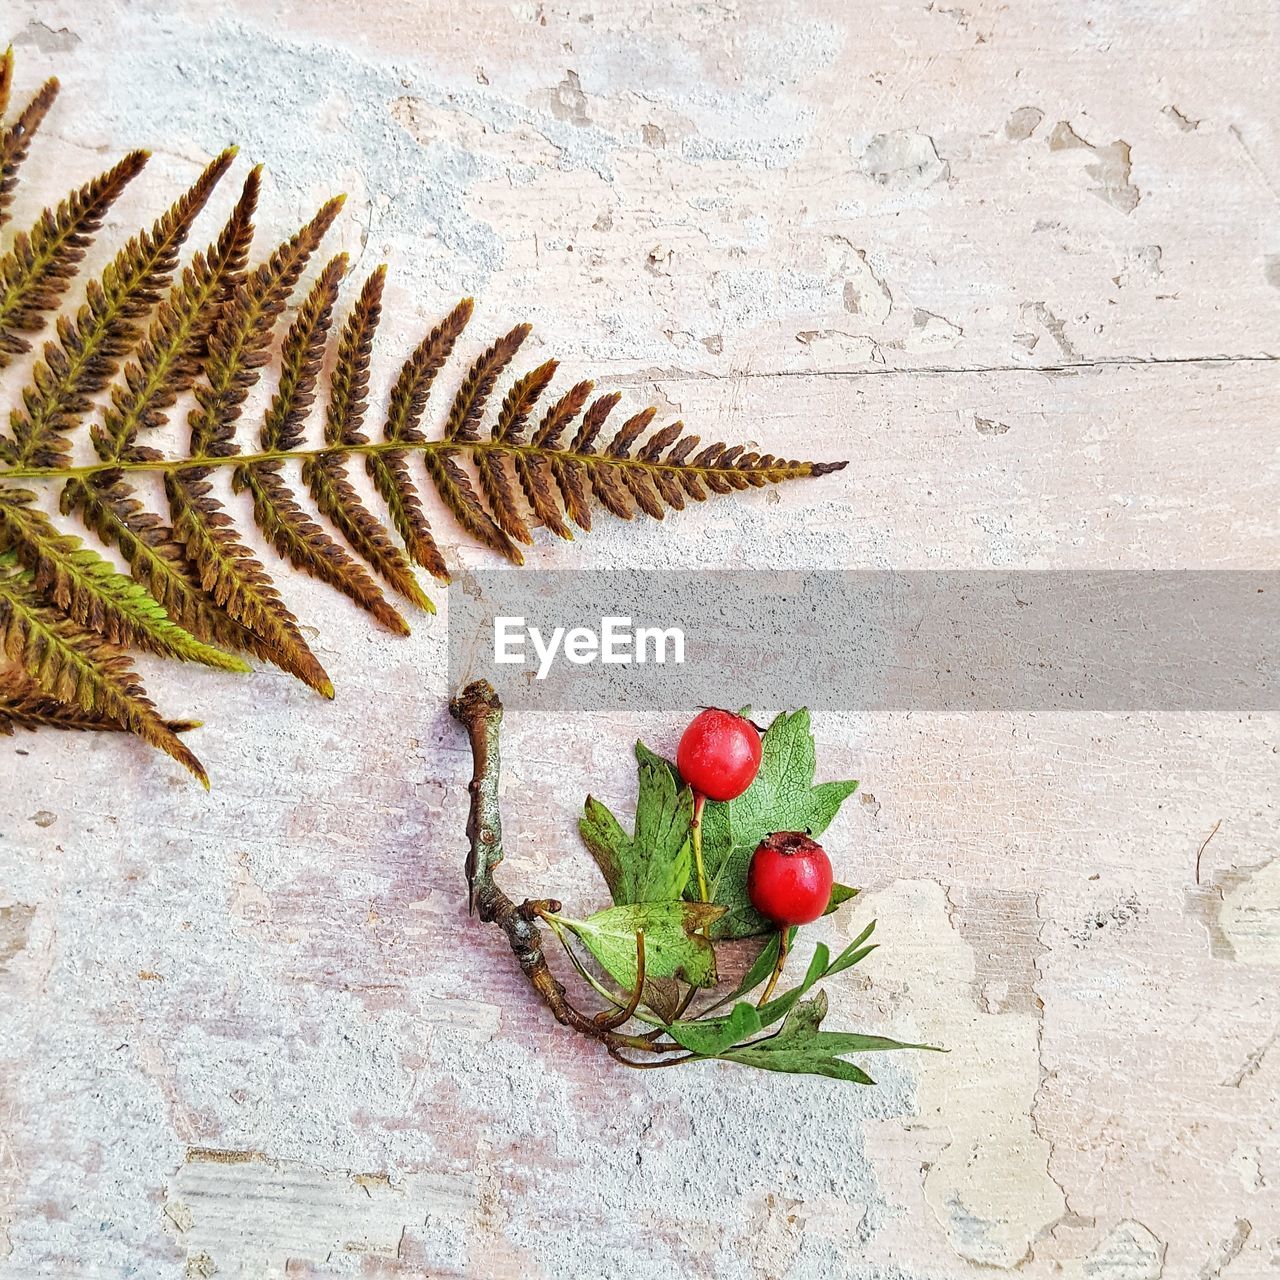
1020 264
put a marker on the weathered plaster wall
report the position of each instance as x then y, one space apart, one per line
1020 263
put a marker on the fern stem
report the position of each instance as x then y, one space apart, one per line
171 466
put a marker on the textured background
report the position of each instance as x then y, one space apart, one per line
1020 263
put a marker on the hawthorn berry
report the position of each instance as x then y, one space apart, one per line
789 879
719 754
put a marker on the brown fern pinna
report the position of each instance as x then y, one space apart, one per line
153 337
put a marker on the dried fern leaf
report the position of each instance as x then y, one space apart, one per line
390 470
80 668
338 501
463 426
104 331
326 476
492 464
238 348
23 705
533 467
473 395
38 269
349 385
305 544
89 590
290 530
455 489
156 560
167 362
300 359
231 575
15 141
571 474
241 340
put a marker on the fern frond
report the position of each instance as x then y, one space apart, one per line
80 668
290 530
90 347
326 476
238 348
305 544
15 141
23 705
492 466
89 590
156 560
39 268
149 336
300 361
232 577
167 361
390 471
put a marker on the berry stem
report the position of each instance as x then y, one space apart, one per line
695 835
783 947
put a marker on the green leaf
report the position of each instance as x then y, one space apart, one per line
782 798
800 1047
712 1036
797 1062
764 963
674 947
854 952
840 894
655 864
781 1005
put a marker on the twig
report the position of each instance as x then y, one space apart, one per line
1203 846
479 711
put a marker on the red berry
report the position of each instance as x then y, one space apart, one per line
719 754
789 879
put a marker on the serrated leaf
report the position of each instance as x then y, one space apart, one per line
674 946
782 798
654 865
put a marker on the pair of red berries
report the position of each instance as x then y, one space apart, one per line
789 879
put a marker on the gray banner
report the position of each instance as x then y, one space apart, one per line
937 641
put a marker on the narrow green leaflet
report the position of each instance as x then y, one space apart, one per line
674 947
800 1047
746 1018
782 798
781 1005
653 865
840 894
854 952
712 1036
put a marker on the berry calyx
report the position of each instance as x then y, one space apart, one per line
719 754
789 879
